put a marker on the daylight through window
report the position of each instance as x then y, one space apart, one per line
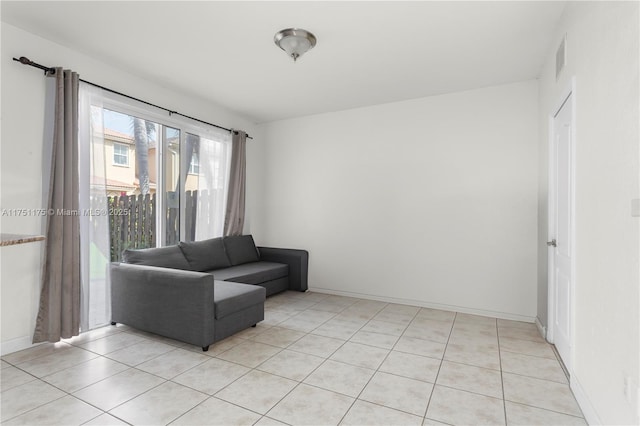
167 181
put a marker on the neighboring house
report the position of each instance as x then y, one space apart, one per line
120 164
121 167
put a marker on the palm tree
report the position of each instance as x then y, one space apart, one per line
142 129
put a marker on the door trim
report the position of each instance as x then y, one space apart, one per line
567 95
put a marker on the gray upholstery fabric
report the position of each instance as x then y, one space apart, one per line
234 297
198 307
166 257
182 305
239 321
275 286
252 273
298 261
172 303
205 255
241 249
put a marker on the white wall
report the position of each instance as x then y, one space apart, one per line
23 91
430 201
602 48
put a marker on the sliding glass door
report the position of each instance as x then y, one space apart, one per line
153 181
158 192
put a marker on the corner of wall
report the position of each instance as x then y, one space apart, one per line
541 328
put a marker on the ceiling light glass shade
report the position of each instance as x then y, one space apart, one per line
295 41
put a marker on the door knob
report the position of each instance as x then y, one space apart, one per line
552 243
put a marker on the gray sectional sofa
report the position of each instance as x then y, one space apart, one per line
201 292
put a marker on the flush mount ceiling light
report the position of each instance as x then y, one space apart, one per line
294 41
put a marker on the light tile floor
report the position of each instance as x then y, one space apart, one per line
316 359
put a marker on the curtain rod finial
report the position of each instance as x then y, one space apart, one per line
26 61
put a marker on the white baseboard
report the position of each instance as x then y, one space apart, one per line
588 410
15 345
541 328
423 304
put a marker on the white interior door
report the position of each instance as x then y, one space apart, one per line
561 230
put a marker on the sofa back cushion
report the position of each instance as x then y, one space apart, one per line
241 249
205 255
166 257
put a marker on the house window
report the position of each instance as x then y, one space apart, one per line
120 154
194 165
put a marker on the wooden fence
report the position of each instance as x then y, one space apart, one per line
132 223
132 219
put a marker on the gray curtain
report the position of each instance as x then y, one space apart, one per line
234 216
59 311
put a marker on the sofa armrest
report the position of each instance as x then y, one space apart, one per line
170 302
298 261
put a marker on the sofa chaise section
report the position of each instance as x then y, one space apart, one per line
182 305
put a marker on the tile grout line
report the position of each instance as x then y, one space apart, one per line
357 398
15 364
302 381
528 354
75 397
504 400
71 394
435 380
439 366
322 363
35 408
209 396
561 362
58 388
213 397
547 409
133 397
255 368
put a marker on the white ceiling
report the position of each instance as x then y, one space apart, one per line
367 53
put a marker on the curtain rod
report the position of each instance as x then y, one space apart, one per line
50 70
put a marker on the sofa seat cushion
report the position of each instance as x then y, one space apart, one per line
230 298
252 273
